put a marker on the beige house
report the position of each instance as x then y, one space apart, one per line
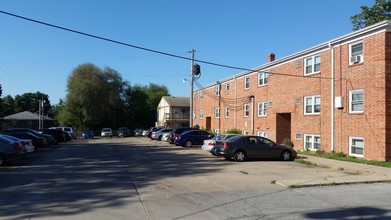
173 112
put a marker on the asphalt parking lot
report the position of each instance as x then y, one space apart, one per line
137 178
320 171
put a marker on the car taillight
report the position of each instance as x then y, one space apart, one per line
225 145
212 144
178 137
18 147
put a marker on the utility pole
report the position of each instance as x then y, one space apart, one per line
191 87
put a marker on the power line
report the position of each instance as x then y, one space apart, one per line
119 42
149 50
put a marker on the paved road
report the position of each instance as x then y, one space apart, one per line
136 178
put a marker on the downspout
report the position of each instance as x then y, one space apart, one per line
252 114
332 98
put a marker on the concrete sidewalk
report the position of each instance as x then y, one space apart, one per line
324 171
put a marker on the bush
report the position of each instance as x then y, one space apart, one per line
233 131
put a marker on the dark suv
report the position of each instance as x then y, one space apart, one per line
177 131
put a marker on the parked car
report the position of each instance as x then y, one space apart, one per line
218 139
254 147
37 141
87 134
69 130
10 150
177 131
138 132
158 134
106 132
166 136
27 144
49 138
124 132
192 137
150 130
59 135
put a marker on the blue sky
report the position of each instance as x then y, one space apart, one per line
35 57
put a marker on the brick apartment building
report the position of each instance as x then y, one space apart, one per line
335 96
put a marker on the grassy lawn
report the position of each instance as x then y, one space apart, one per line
343 157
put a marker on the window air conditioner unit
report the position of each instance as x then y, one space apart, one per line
355 59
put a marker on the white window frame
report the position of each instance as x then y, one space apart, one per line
201 114
201 94
226 112
217 112
246 110
351 140
312 142
246 83
262 79
227 88
262 109
217 90
313 98
262 134
351 93
313 64
351 54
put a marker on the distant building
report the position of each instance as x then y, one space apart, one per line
334 97
25 119
173 112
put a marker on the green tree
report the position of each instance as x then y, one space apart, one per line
31 101
93 99
380 11
8 106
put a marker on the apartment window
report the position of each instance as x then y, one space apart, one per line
356 101
311 142
312 65
312 104
262 134
246 110
217 90
201 94
247 83
356 146
226 112
201 114
217 112
262 109
356 51
226 88
262 79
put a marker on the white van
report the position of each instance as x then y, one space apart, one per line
68 130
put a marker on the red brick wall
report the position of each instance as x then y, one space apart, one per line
286 85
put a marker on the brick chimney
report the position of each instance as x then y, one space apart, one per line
271 57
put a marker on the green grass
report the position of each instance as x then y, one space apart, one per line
305 162
244 172
344 157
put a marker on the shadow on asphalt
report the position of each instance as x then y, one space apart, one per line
77 177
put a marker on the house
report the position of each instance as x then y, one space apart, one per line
334 97
26 119
173 112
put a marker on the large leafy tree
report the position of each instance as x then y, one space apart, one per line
8 105
380 11
31 102
93 99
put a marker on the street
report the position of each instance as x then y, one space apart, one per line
137 178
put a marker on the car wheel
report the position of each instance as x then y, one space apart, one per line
2 160
188 144
286 155
240 156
